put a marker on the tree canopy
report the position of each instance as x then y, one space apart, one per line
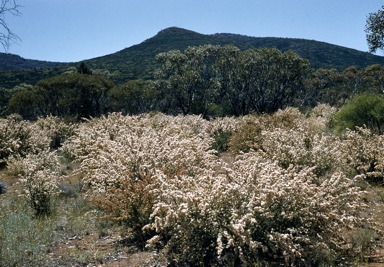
374 29
217 80
75 95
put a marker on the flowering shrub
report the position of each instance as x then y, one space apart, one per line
322 115
257 212
109 148
19 137
288 195
130 204
16 138
221 130
288 118
39 175
363 154
247 136
118 155
55 129
301 147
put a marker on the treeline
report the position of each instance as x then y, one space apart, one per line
209 80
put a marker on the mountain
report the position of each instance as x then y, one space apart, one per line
15 62
138 61
15 70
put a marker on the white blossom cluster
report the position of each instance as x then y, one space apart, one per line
291 197
18 137
25 147
287 190
39 173
363 154
117 146
256 210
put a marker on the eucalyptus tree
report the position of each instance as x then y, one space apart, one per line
374 29
262 80
223 80
228 82
78 95
374 78
72 95
186 78
28 104
133 97
326 87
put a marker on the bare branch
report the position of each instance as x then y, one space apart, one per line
6 35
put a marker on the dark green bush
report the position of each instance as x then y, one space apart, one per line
362 110
221 143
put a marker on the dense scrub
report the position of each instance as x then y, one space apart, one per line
253 190
210 80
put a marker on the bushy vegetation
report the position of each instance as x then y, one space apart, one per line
362 110
282 189
270 185
212 81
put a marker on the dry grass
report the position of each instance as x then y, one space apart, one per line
79 238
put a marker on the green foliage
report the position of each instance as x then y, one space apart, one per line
72 95
4 98
138 61
221 143
75 95
28 104
12 78
260 80
133 97
363 109
13 62
335 87
83 69
374 30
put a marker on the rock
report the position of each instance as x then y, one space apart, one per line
3 188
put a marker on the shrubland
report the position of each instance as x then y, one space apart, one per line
255 190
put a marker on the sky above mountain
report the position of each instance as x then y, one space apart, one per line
75 30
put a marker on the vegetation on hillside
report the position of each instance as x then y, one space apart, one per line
211 81
75 95
194 150
138 61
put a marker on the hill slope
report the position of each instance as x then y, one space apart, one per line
138 61
15 62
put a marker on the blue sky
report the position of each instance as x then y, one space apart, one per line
75 30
